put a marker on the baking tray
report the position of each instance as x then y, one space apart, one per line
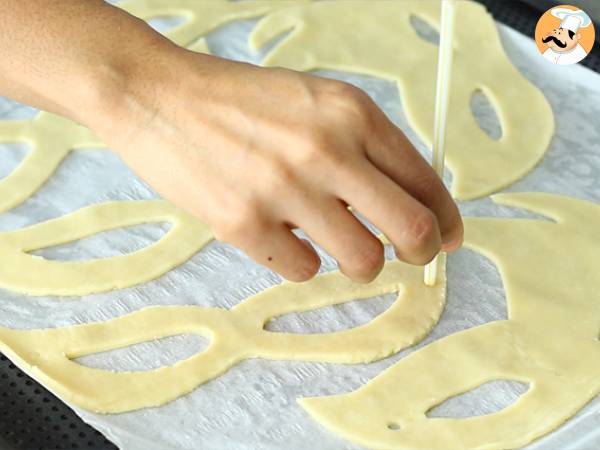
33 418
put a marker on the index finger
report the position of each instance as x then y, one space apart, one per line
394 155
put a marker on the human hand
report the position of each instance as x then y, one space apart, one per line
257 152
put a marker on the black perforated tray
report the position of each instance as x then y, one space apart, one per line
31 418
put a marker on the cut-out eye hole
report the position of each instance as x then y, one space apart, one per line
424 30
147 355
487 398
393 426
164 24
11 156
485 114
107 243
329 319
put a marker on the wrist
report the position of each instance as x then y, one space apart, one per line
120 87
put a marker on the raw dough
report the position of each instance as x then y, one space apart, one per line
235 334
377 38
550 273
37 276
51 139
201 17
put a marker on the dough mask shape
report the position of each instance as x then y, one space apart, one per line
201 17
34 275
550 341
51 139
235 334
376 38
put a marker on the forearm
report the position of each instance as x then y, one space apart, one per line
75 57
253 152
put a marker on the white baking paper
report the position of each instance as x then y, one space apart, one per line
253 405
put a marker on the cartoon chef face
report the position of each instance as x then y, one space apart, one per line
561 40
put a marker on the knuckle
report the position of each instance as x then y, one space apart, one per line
422 229
352 102
368 260
423 238
346 91
238 227
305 271
318 148
428 182
276 173
319 143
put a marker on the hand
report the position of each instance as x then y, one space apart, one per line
257 152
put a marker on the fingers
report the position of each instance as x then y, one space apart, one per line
393 154
410 226
276 247
358 252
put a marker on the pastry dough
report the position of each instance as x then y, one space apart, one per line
37 276
550 273
376 38
201 17
235 334
51 139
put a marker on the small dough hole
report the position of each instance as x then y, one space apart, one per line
485 115
424 30
329 319
394 426
106 244
148 355
487 398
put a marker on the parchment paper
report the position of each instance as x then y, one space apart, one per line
253 405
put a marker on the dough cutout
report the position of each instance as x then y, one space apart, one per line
484 113
51 138
424 30
143 357
376 38
473 403
106 244
35 275
554 308
235 335
342 316
200 17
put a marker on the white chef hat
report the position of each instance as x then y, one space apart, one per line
572 19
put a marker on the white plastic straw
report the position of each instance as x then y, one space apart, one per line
441 108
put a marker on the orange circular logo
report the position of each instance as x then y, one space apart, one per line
565 35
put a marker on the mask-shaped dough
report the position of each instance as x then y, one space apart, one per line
376 38
37 276
201 17
51 139
235 335
550 273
